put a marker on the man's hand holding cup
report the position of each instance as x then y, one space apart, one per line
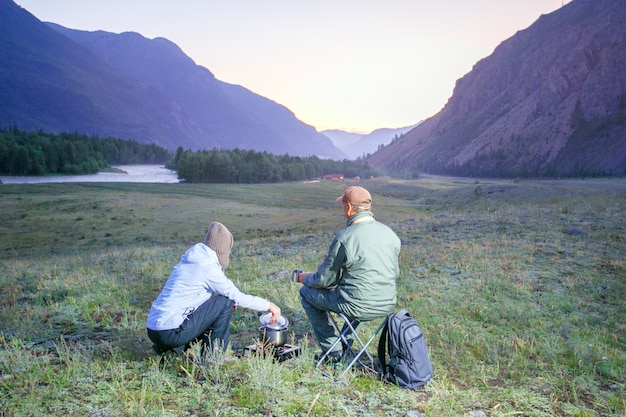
295 275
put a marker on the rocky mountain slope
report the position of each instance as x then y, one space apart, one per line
551 100
124 85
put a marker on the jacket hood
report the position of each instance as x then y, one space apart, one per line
198 254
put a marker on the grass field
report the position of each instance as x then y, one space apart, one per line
519 287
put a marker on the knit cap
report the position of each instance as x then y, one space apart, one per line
219 238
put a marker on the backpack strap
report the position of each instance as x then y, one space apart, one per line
383 346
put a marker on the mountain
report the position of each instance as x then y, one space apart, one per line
549 101
50 83
125 85
357 145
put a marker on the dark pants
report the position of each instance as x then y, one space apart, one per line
317 302
209 324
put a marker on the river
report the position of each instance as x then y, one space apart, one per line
132 173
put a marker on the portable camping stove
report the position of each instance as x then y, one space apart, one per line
280 353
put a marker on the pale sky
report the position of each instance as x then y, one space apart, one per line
337 64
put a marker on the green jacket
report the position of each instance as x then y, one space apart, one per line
362 262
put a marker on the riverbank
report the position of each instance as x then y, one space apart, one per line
123 173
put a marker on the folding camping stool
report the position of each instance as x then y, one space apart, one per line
347 331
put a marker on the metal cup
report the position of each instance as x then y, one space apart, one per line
294 275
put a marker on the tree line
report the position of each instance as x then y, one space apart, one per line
247 166
39 153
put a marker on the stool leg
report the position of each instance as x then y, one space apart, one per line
349 329
363 349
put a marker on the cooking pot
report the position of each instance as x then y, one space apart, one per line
273 333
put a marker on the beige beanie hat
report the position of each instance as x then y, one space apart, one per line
220 240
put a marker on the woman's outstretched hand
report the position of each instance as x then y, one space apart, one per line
275 310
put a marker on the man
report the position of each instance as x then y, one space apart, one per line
358 275
198 300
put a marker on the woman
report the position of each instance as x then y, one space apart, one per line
198 300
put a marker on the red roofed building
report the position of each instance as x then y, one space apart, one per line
333 177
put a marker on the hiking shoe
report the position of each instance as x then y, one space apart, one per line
347 346
158 350
333 357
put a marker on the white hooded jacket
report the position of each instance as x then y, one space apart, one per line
193 281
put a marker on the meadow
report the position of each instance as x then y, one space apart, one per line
519 287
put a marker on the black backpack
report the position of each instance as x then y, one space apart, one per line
409 366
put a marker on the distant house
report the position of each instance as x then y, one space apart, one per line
333 177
